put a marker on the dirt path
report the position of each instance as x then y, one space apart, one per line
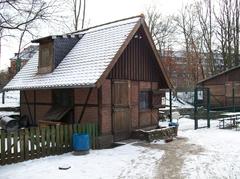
173 159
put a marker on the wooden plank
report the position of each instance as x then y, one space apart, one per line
93 136
22 143
26 144
15 146
37 143
3 154
90 135
53 140
65 138
70 129
32 142
8 153
61 139
42 134
74 128
47 140
57 140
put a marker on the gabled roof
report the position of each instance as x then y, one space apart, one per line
219 74
89 61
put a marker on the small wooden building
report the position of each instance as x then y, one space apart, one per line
109 74
224 89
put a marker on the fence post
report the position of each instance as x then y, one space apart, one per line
208 108
195 109
170 102
3 135
233 97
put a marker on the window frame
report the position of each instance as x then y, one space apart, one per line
147 103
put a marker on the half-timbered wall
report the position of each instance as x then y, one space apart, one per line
36 103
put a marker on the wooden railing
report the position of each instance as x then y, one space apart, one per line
36 142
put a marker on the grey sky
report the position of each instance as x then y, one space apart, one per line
100 12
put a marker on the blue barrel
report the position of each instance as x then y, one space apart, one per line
174 124
80 142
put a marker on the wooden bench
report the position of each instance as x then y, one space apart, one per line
227 122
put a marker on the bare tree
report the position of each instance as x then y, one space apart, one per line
203 11
162 29
192 42
227 19
78 8
20 17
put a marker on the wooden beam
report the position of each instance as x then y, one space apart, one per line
34 107
29 110
85 105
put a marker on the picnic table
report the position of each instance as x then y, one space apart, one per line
229 119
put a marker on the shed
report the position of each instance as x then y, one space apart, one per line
224 89
110 74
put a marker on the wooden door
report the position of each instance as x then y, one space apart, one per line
121 110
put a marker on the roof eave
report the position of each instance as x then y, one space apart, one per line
50 87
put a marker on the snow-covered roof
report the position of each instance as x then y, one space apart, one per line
84 64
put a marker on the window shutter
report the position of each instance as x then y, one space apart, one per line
158 98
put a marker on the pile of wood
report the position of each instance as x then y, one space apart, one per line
155 134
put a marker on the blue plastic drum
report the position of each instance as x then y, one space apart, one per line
81 142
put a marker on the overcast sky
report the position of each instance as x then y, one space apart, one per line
98 12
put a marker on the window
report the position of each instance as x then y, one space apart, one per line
45 57
63 97
145 100
62 109
45 64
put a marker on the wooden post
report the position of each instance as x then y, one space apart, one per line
29 110
170 102
195 109
233 97
208 107
85 105
3 97
34 107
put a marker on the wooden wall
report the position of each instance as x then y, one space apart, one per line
221 89
36 103
138 63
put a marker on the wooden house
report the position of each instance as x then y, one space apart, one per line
109 74
224 89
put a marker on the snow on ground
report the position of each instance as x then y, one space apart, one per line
12 99
220 158
177 102
128 161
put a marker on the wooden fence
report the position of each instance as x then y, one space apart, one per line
36 142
